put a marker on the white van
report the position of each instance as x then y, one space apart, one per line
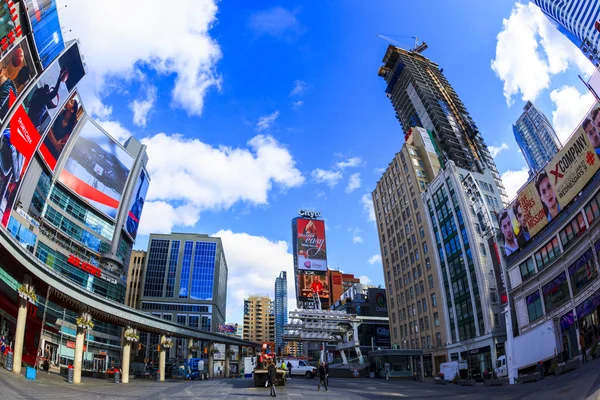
301 368
452 369
501 369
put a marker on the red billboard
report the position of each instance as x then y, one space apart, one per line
17 145
311 248
307 284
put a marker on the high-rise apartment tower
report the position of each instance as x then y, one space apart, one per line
281 309
259 319
536 137
422 96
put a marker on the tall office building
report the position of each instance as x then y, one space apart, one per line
461 205
259 319
422 96
281 309
407 250
536 137
576 19
185 280
134 278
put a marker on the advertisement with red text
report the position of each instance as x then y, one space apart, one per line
17 145
311 246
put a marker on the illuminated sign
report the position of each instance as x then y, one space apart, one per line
71 345
309 214
90 269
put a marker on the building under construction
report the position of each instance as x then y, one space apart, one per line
422 96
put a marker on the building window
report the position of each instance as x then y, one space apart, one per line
482 249
438 339
433 300
572 231
427 264
185 269
527 269
436 319
582 272
534 306
548 253
556 292
426 322
592 209
424 305
430 280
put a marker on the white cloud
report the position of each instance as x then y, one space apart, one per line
297 104
349 163
513 180
161 217
264 123
521 65
355 238
277 22
116 45
331 178
379 171
494 151
353 183
197 175
251 272
571 107
299 88
116 130
365 280
375 259
142 108
366 201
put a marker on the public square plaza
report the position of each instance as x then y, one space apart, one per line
583 383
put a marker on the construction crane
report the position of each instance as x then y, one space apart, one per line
419 46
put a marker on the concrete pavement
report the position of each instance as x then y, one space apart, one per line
583 383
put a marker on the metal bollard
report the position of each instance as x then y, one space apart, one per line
117 377
9 361
70 374
157 376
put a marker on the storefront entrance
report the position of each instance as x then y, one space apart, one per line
570 347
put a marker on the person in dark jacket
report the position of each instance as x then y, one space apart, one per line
289 366
272 374
322 377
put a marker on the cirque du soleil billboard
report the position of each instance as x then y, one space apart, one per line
311 250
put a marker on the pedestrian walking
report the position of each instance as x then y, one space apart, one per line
289 365
272 376
322 377
582 343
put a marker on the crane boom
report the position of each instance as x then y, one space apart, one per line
419 46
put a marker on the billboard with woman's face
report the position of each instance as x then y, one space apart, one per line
16 71
61 130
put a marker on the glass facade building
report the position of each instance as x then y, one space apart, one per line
281 308
575 19
185 280
536 137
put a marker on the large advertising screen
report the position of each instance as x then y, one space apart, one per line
97 169
137 204
61 130
52 89
47 34
16 71
307 284
310 245
553 188
10 25
17 145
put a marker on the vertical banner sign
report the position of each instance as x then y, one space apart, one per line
137 204
17 145
311 251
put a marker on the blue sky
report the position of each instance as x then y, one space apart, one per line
253 110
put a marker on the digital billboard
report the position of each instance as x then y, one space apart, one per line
310 243
16 71
309 283
137 204
47 34
44 100
61 130
97 169
553 188
10 25
17 145
225 328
